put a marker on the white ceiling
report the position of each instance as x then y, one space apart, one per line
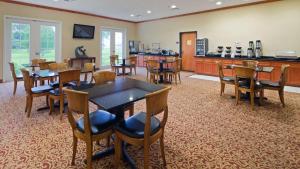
122 9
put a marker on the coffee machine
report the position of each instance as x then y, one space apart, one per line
258 49
250 51
238 52
228 51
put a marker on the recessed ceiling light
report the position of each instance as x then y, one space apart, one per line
149 11
219 3
55 0
173 6
132 15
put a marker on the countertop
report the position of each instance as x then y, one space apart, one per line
153 54
263 58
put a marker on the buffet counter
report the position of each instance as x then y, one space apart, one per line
206 65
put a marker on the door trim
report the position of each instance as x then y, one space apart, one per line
125 50
180 40
5 43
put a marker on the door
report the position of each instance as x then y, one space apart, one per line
27 39
187 46
112 43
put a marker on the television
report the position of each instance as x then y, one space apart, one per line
83 31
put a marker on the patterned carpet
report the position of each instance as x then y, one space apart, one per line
203 130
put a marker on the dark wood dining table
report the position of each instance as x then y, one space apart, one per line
114 97
32 66
163 68
265 69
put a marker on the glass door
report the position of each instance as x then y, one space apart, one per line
112 43
28 39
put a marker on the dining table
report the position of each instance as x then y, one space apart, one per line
114 97
32 66
263 69
123 64
163 67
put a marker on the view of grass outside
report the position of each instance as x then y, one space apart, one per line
20 50
105 50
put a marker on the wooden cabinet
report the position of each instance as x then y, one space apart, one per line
207 66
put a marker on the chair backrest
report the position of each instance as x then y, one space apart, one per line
58 66
102 77
178 64
45 65
78 103
68 76
242 72
37 61
152 64
220 69
133 60
156 103
13 71
283 75
67 61
28 81
250 63
89 67
113 59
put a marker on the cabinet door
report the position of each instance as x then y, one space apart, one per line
275 75
264 75
294 74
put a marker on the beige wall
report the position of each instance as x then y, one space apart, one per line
277 24
67 19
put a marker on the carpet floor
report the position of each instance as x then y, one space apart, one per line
203 130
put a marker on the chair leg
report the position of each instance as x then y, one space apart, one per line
85 77
252 100
179 77
75 140
261 96
237 96
281 96
89 153
108 141
162 149
131 110
15 86
29 106
61 107
118 151
175 79
222 88
51 105
146 155
26 106
47 100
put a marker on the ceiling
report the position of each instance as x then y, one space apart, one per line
123 9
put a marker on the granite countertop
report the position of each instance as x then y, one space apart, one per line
263 58
154 54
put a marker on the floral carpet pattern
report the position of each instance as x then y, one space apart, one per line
204 130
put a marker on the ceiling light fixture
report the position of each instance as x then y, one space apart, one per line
219 3
148 12
132 15
173 6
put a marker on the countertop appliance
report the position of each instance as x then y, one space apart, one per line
228 51
201 47
134 46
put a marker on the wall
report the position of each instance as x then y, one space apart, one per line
67 19
277 24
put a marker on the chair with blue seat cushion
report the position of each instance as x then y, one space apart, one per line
223 79
65 77
32 92
144 129
90 127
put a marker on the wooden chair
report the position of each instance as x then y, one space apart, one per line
153 69
16 77
279 86
58 66
67 61
144 129
250 63
113 61
32 92
133 63
65 77
37 61
245 82
93 126
224 79
45 65
103 77
88 68
175 70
